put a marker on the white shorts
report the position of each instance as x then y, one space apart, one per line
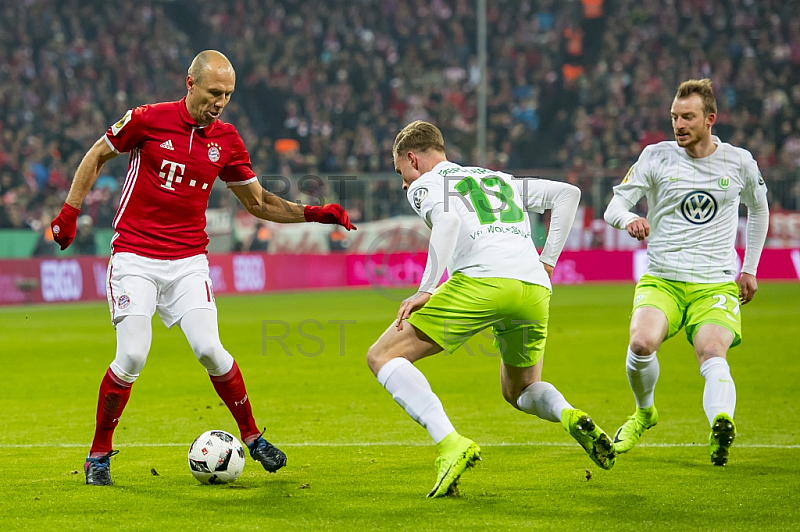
138 286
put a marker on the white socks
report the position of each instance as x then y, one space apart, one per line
642 375
719 395
541 399
410 389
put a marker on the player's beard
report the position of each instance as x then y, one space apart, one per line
693 138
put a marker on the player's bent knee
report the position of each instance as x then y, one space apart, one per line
643 346
213 357
128 364
711 351
376 358
513 391
207 351
378 355
137 359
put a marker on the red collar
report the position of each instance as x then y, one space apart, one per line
191 121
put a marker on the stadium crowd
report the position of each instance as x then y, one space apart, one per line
324 85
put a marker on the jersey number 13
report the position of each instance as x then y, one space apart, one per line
477 193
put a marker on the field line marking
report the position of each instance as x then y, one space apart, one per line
400 444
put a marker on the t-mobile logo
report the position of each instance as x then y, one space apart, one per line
169 175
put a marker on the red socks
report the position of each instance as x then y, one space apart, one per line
230 388
114 394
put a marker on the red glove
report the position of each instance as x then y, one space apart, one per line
333 213
65 225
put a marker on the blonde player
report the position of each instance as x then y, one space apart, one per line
693 188
480 231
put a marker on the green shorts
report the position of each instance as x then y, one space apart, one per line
691 305
516 311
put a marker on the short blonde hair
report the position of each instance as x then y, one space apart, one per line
418 136
701 87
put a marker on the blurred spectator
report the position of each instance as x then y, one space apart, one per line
338 240
84 242
6 216
261 238
45 245
324 85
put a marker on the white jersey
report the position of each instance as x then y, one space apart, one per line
494 237
693 208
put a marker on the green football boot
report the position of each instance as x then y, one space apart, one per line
456 454
723 431
629 433
593 439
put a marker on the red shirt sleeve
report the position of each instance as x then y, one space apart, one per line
238 170
129 131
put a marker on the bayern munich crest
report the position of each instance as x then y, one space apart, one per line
213 152
123 301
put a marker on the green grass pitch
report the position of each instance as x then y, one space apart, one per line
356 461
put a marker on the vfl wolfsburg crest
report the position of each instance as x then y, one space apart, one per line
724 182
419 195
699 207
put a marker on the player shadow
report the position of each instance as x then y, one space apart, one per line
696 458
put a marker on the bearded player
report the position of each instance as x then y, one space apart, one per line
693 188
158 252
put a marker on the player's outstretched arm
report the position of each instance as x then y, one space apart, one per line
267 206
562 200
65 224
89 170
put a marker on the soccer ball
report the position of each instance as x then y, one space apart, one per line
216 457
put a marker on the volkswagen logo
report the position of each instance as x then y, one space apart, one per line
419 195
699 207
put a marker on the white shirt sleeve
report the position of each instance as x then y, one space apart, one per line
423 195
757 227
754 196
617 213
562 199
636 184
444 236
427 198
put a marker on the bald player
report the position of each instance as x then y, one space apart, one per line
158 252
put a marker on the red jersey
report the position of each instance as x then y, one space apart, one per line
173 164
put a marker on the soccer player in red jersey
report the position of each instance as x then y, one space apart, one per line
158 252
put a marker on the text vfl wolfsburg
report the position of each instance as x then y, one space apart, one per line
500 230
